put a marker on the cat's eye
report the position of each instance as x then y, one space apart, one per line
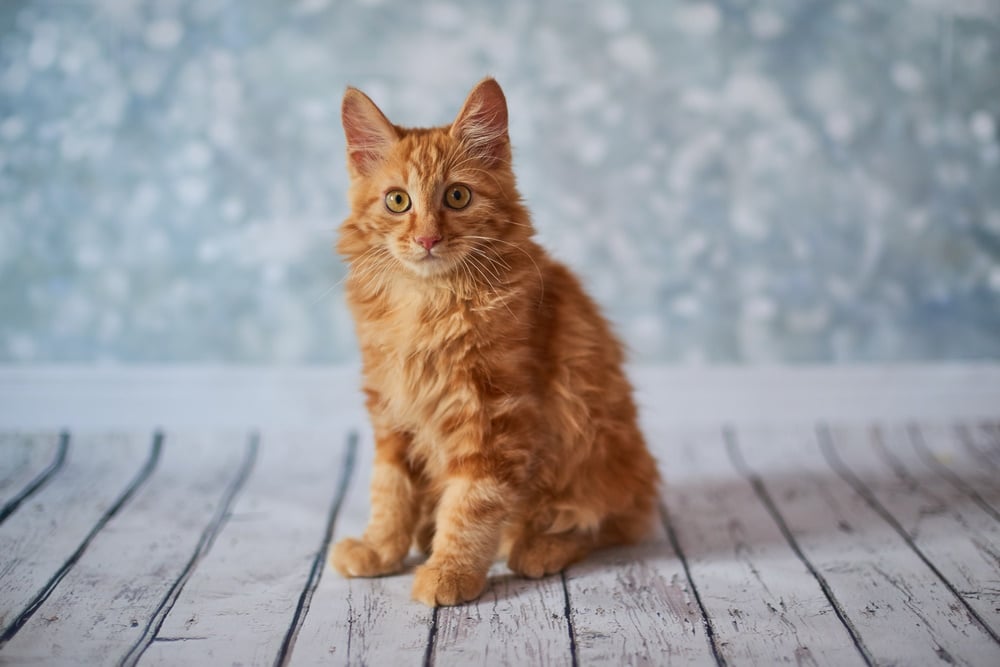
397 201
457 196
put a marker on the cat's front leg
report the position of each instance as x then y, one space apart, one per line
469 521
387 539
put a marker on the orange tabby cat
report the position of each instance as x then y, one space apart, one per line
503 422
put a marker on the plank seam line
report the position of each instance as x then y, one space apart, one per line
130 490
205 542
40 480
713 640
835 462
755 480
350 621
978 454
919 444
916 439
431 639
574 660
316 571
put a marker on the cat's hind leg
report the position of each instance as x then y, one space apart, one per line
535 555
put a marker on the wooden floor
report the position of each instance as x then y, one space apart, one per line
785 537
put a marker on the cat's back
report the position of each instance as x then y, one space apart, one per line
572 328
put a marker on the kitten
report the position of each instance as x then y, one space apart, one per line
503 422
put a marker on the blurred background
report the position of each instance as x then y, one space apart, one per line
735 181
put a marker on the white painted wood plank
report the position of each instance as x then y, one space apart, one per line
968 455
105 602
958 537
47 530
143 397
633 606
516 622
764 603
238 603
24 457
902 613
361 621
379 620
982 441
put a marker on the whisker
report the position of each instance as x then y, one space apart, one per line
481 268
492 254
351 266
498 297
494 259
372 268
327 291
541 279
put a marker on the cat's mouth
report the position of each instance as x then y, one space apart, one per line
427 263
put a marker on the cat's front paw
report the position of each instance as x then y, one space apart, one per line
436 585
357 558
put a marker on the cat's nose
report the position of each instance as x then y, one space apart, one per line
428 242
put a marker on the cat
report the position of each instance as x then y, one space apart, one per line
503 422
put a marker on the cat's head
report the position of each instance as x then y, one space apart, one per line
437 201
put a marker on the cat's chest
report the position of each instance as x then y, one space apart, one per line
415 358
406 330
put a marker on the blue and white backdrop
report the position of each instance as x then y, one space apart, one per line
736 181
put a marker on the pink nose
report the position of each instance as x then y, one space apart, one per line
428 242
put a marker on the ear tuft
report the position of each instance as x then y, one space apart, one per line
370 135
482 122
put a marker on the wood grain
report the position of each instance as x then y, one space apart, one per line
635 605
901 610
765 602
984 437
28 461
880 546
516 622
40 540
981 441
958 536
104 605
245 591
968 457
361 621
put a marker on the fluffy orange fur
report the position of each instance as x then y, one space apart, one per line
503 421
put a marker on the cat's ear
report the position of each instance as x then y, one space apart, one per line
370 135
482 123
